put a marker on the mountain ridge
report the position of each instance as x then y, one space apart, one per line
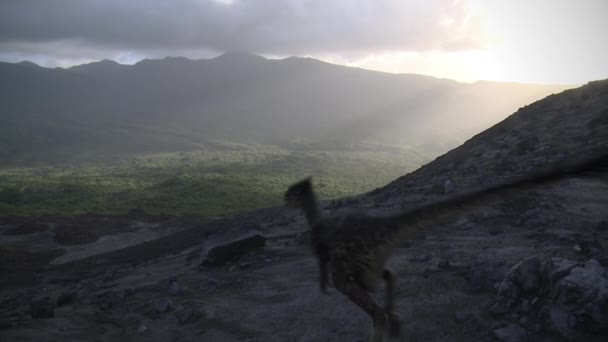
111 108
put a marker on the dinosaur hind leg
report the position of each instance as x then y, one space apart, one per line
394 321
357 294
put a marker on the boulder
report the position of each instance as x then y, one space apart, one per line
216 253
568 297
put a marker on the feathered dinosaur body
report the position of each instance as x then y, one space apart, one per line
353 246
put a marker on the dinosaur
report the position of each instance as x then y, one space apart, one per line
353 246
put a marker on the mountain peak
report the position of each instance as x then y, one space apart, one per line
29 64
103 65
239 56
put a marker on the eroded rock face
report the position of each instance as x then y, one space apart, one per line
565 297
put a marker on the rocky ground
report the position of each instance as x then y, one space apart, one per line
526 266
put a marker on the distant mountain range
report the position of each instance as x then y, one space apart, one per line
175 104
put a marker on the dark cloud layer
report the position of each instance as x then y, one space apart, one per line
281 27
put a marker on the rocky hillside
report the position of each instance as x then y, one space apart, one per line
525 266
572 124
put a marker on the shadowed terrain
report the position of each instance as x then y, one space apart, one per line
482 276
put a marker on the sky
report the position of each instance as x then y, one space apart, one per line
532 41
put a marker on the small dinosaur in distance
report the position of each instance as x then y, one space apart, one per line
353 246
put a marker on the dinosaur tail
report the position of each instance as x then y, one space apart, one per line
450 208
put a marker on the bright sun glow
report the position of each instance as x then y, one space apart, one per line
540 41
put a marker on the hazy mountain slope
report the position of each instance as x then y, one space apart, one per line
178 104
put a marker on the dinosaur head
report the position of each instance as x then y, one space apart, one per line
298 192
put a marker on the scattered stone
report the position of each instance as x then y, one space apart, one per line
163 305
511 333
142 328
448 186
42 308
219 253
464 224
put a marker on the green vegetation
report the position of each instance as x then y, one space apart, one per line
218 181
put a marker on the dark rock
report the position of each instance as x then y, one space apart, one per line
419 236
495 230
175 289
303 238
448 186
584 293
602 226
464 224
141 328
499 309
163 305
66 298
570 298
526 274
511 333
558 321
485 275
406 244
185 315
42 308
221 252
594 250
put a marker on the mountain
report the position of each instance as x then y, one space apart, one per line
176 104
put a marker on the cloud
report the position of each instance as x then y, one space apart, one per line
277 27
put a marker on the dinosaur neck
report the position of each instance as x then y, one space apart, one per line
311 209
